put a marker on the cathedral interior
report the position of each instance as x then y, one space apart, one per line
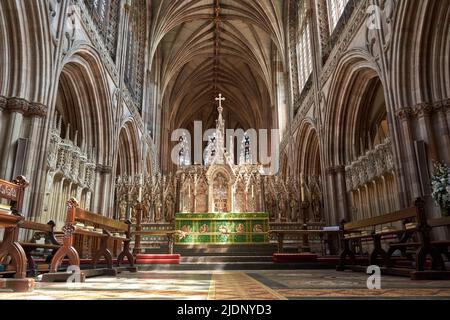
224 149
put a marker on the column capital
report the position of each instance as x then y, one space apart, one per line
335 169
3 102
339 169
18 105
423 109
103 169
23 106
405 113
37 110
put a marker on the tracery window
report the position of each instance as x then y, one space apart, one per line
185 152
135 55
246 151
210 150
335 10
106 15
304 53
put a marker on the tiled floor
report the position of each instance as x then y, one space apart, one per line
249 285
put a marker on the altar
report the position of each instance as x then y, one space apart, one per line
221 201
224 228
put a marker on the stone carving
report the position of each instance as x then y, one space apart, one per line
27 108
70 172
374 164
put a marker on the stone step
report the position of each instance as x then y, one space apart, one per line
229 258
218 266
215 250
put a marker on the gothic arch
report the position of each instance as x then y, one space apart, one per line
128 155
80 139
420 78
419 73
354 76
82 70
308 158
361 180
25 51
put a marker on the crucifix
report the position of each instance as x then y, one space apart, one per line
220 99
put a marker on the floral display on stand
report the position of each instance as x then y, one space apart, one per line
440 184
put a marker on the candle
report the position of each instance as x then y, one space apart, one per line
252 192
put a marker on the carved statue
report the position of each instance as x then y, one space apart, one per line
122 210
158 210
169 208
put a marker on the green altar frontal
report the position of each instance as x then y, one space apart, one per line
223 228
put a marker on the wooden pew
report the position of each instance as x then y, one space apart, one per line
51 244
427 247
109 226
9 220
280 235
365 229
170 235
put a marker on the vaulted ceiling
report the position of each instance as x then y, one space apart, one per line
204 47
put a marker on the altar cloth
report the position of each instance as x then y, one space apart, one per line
222 228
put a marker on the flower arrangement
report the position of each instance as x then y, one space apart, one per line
440 184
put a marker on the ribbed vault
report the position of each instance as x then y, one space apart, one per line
211 46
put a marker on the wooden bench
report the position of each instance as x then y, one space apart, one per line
51 244
280 236
13 192
109 227
365 229
170 235
425 247
420 228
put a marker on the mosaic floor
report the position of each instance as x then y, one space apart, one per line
249 285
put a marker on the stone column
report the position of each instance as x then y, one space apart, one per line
331 203
102 203
16 107
36 134
426 130
341 192
409 158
